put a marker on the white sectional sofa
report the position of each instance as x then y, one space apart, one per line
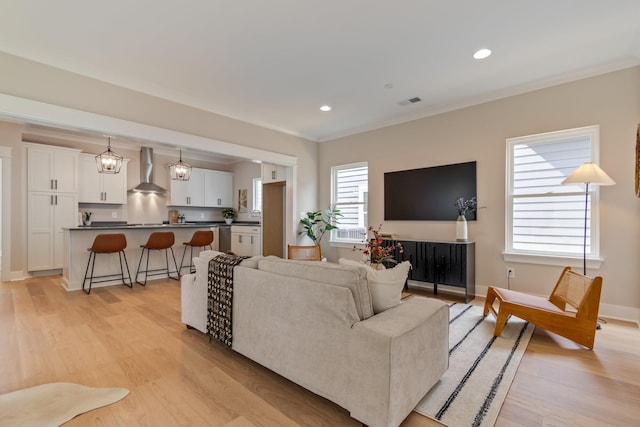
313 323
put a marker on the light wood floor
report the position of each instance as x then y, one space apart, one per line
134 338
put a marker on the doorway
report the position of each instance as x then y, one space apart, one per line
273 218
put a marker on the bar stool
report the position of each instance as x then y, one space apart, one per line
200 239
107 244
158 240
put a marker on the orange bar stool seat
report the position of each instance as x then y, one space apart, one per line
200 239
106 244
158 241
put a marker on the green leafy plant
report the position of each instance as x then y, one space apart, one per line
87 216
316 223
229 213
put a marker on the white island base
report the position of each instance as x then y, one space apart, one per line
78 239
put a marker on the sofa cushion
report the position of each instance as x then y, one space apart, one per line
385 285
352 277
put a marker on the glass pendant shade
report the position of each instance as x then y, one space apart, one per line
109 162
180 171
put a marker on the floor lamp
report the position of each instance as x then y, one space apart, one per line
588 174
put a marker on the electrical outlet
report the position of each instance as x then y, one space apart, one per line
511 273
114 214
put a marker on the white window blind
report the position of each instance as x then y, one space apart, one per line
350 189
543 216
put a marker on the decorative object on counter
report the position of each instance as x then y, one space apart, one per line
181 219
173 216
376 253
180 171
464 207
229 215
588 174
315 224
86 218
108 161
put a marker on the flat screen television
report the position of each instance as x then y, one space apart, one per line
428 194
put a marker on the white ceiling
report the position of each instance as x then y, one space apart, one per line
274 63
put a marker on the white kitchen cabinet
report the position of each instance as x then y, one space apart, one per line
52 168
48 213
188 193
52 203
245 240
205 188
96 187
273 173
218 187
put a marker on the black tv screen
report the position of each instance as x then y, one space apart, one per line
428 194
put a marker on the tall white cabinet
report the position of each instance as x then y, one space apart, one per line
52 203
98 187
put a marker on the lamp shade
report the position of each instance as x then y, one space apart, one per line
589 173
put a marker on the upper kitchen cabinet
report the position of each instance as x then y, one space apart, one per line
96 187
218 187
52 168
188 193
273 173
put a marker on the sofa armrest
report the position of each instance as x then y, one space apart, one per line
395 358
193 302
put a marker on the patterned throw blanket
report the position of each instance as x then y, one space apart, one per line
220 297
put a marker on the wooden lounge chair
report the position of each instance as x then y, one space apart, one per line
579 293
304 253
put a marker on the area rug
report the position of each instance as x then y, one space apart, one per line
53 404
481 368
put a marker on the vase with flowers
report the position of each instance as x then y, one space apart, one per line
376 253
464 207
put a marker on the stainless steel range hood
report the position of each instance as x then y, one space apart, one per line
146 173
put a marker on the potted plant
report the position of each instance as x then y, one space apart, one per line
316 223
229 215
86 218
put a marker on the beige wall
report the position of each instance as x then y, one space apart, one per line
34 81
479 133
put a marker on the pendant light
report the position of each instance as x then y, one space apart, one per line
109 162
180 171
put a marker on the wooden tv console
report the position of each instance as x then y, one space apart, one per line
438 262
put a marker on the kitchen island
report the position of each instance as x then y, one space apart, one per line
78 239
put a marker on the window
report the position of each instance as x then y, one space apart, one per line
257 194
544 217
349 193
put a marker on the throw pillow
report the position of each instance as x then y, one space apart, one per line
385 285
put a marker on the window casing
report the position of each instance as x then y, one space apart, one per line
349 194
257 194
545 219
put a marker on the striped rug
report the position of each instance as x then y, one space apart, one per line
481 368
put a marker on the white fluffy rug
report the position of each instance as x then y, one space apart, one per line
53 404
481 368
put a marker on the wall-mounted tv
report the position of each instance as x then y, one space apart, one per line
428 194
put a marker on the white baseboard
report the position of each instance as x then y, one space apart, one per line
608 311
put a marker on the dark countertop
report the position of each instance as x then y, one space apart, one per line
120 225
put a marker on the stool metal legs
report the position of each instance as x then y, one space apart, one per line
191 269
157 270
106 277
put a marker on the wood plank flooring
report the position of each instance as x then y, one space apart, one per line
134 338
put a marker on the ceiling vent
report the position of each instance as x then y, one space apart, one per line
409 101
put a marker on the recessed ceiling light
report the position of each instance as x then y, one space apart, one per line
325 108
482 53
